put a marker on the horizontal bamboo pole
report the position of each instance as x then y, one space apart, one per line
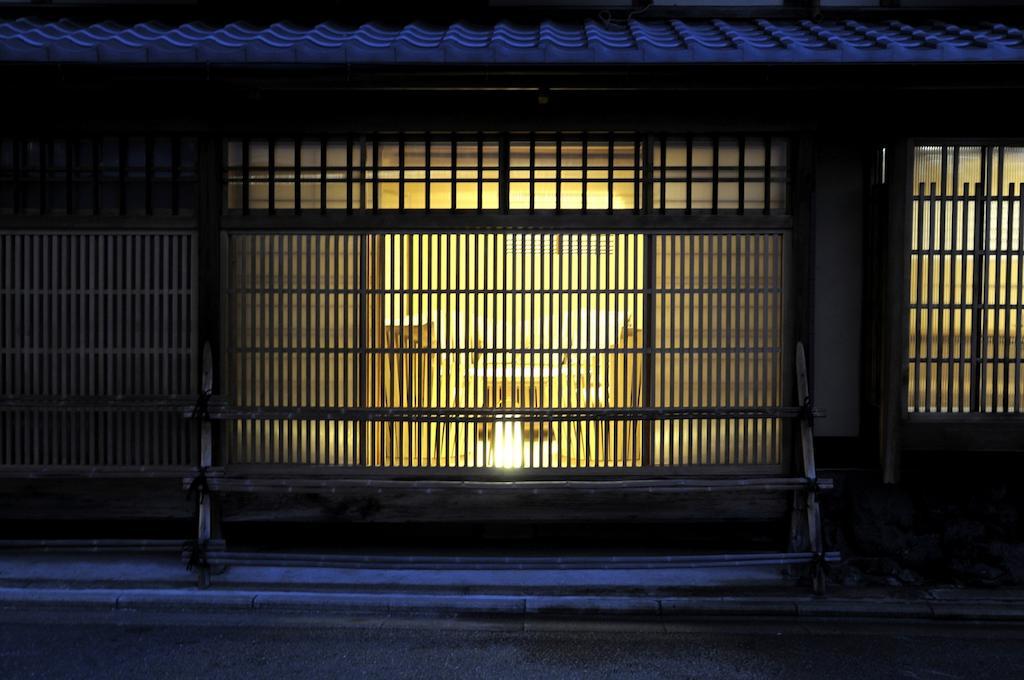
524 562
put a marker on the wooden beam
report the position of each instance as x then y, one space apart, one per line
542 221
398 504
72 472
220 409
86 499
464 562
95 545
296 485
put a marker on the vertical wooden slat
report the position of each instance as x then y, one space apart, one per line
765 349
950 295
1005 283
994 246
1019 356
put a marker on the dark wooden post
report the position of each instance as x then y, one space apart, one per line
800 302
893 383
208 213
209 209
802 198
805 232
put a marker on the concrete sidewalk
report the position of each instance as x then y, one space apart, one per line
33 581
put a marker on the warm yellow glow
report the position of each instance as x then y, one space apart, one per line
534 342
508 444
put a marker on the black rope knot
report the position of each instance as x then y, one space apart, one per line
196 549
201 410
199 485
820 564
806 410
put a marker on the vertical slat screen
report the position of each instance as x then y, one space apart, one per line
717 338
504 349
103 322
517 326
966 307
294 310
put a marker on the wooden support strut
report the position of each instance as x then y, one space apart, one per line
810 492
204 523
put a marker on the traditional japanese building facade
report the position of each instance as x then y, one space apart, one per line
502 262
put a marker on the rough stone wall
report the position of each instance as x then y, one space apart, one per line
962 529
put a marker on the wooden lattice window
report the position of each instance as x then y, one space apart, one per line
966 288
505 349
98 175
97 342
721 174
600 173
482 172
440 172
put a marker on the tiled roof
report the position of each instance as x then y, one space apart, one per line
661 41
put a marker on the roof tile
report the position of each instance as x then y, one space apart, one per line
636 41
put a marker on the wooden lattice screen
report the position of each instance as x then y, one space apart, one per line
966 292
97 335
503 349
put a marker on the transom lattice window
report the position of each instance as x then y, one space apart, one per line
721 174
966 284
591 174
453 173
132 175
588 172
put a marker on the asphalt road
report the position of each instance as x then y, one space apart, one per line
73 644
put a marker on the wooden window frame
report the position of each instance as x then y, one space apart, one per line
642 218
903 430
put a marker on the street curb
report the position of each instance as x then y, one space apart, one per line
58 597
872 609
184 599
682 607
396 604
980 611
